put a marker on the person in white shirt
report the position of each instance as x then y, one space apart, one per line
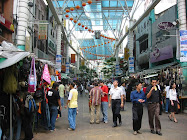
124 95
167 98
173 101
116 96
109 86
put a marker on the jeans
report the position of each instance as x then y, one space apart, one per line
167 104
62 101
54 113
72 117
0 132
104 110
19 121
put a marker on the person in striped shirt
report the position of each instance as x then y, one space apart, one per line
95 96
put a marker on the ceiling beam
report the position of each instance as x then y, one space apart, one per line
115 8
137 22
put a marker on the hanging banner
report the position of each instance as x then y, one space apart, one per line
117 71
131 64
82 62
58 62
67 68
72 58
183 46
63 68
42 30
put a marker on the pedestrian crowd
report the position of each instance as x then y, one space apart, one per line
101 98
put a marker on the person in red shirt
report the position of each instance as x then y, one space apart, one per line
104 102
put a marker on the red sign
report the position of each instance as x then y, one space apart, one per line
6 23
72 58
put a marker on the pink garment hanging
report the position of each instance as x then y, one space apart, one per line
46 76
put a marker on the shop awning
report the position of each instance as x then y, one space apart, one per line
10 55
152 75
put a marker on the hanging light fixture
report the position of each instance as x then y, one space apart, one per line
83 4
77 7
75 21
72 9
102 44
99 45
86 28
89 30
82 26
67 16
89 2
105 42
79 24
67 10
71 19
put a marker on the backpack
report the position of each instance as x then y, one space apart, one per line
30 104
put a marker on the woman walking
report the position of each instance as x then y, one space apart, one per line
173 102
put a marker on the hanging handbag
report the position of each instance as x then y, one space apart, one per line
32 77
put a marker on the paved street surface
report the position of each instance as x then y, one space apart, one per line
87 131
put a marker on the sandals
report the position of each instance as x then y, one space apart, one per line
175 121
170 118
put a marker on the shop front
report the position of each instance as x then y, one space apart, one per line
6 29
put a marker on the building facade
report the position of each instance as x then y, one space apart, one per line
156 46
6 20
41 14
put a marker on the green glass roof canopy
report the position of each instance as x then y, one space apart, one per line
102 15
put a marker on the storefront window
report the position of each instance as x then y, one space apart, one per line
143 44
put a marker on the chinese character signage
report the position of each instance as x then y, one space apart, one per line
42 31
67 67
183 46
58 62
131 64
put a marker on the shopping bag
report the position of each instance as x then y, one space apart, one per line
32 81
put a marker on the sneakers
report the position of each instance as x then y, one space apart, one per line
106 122
152 131
135 133
70 129
159 133
120 123
139 132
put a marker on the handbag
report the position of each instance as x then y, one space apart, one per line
32 77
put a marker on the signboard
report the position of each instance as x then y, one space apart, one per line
183 46
67 68
131 64
58 62
72 58
161 54
117 71
42 30
165 26
7 24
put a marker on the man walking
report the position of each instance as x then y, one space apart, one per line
53 101
95 97
116 96
153 99
137 98
124 95
72 107
104 102
61 92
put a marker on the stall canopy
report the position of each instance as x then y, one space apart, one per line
10 55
